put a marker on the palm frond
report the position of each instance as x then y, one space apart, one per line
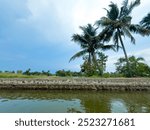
123 12
145 22
126 19
97 23
139 29
133 5
126 9
104 21
125 3
88 30
133 59
121 60
113 12
103 33
116 40
106 47
128 34
140 59
80 40
108 35
79 54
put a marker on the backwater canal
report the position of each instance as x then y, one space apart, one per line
35 101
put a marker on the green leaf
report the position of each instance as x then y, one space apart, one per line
79 54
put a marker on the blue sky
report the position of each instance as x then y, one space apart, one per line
37 34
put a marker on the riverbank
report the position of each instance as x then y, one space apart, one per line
120 84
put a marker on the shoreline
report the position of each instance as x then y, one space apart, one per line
58 83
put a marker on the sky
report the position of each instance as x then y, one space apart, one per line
37 34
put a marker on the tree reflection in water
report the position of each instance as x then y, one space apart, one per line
74 101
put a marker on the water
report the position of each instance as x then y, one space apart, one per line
74 101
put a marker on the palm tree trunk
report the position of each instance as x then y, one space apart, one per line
96 64
94 60
89 59
126 57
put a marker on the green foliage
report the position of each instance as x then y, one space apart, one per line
19 71
61 73
28 72
101 63
46 73
97 67
117 24
137 67
112 75
88 69
106 75
9 71
87 41
90 44
14 75
145 22
68 73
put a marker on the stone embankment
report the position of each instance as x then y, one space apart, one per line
124 84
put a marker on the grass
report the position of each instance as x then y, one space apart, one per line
19 75
14 75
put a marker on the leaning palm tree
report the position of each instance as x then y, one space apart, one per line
89 43
146 21
117 24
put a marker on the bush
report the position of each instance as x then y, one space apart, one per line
19 71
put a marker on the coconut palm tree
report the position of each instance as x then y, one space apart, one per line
138 67
89 43
145 22
117 24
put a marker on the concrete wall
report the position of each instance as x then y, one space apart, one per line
124 84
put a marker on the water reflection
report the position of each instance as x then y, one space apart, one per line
74 101
118 106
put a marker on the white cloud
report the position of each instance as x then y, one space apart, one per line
54 21
145 53
58 20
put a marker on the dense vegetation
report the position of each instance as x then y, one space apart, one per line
95 39
114 26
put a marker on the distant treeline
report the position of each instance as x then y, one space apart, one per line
61 73
138 68
45 73
28 72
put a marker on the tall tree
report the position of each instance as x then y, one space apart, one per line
101 61
89 43
95 69
145 22
117 24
